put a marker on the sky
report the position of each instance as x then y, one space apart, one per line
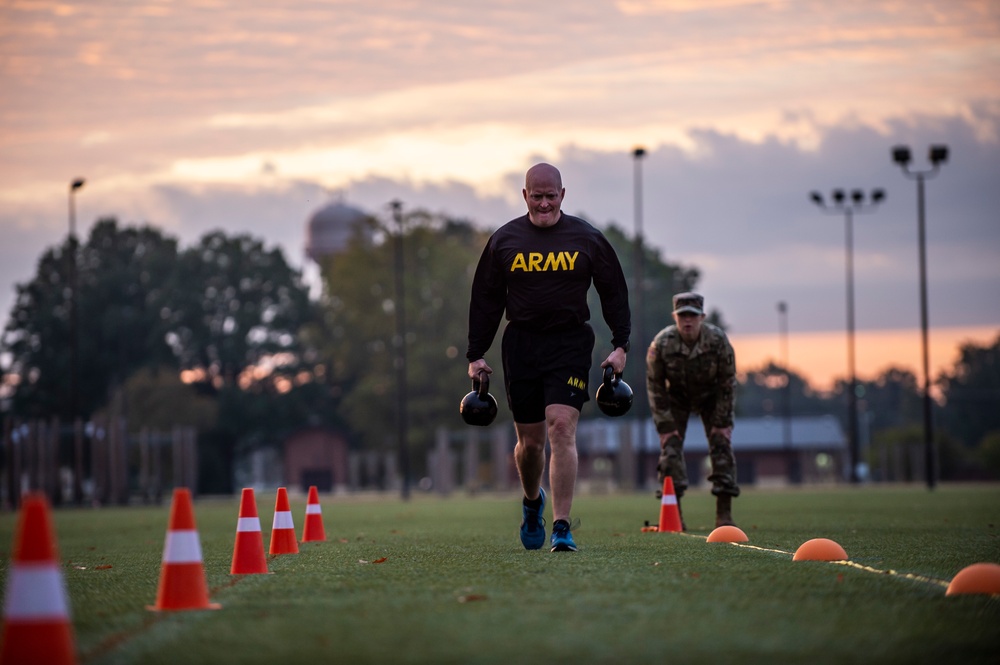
249 116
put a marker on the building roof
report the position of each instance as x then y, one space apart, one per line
818 433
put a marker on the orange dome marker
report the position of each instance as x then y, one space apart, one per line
313 530
182 575
248 552
820 549
283 527
37 626
977 578
727 534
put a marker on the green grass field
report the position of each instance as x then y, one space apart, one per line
456 586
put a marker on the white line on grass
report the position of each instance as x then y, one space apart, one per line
868 569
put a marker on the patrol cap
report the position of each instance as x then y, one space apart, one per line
689 302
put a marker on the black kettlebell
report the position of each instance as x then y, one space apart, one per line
479 407
614 397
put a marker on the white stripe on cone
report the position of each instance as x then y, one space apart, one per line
313 509
35 593
248 524
182 546
283 520
669 500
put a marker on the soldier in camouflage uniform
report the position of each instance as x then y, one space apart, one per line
691 368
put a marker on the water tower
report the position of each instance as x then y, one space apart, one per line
330 229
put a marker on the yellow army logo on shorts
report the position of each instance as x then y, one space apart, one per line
577 383
538 262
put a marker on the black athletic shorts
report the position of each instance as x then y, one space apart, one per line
545 368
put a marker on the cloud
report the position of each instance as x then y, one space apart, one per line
748 208
744 108
737 209
160 93
651 7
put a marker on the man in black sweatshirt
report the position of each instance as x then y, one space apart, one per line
538 268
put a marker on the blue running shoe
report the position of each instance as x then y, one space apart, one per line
533 524
562 539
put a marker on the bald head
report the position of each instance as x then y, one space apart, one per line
543 192
543 174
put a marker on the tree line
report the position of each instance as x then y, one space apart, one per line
223 336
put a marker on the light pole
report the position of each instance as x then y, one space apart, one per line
841 205
794 469
937 155
74 346
74 349
400 360
638 334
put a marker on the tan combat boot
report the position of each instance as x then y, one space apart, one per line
724 510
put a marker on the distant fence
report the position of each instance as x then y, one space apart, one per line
95 463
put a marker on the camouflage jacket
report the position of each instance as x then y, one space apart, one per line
691 379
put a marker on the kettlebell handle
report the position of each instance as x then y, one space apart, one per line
481 385
610 378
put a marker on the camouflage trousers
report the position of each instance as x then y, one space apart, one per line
720 451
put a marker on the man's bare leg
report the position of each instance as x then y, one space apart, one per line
561 421
529 457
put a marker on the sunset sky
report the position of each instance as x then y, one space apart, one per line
249 116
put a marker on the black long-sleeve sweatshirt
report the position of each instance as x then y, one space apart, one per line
541 276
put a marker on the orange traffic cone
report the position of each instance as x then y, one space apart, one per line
670 515
182 575
313 529
36 625
248 552
283 527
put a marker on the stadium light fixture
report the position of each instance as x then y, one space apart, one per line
841 206
937 155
